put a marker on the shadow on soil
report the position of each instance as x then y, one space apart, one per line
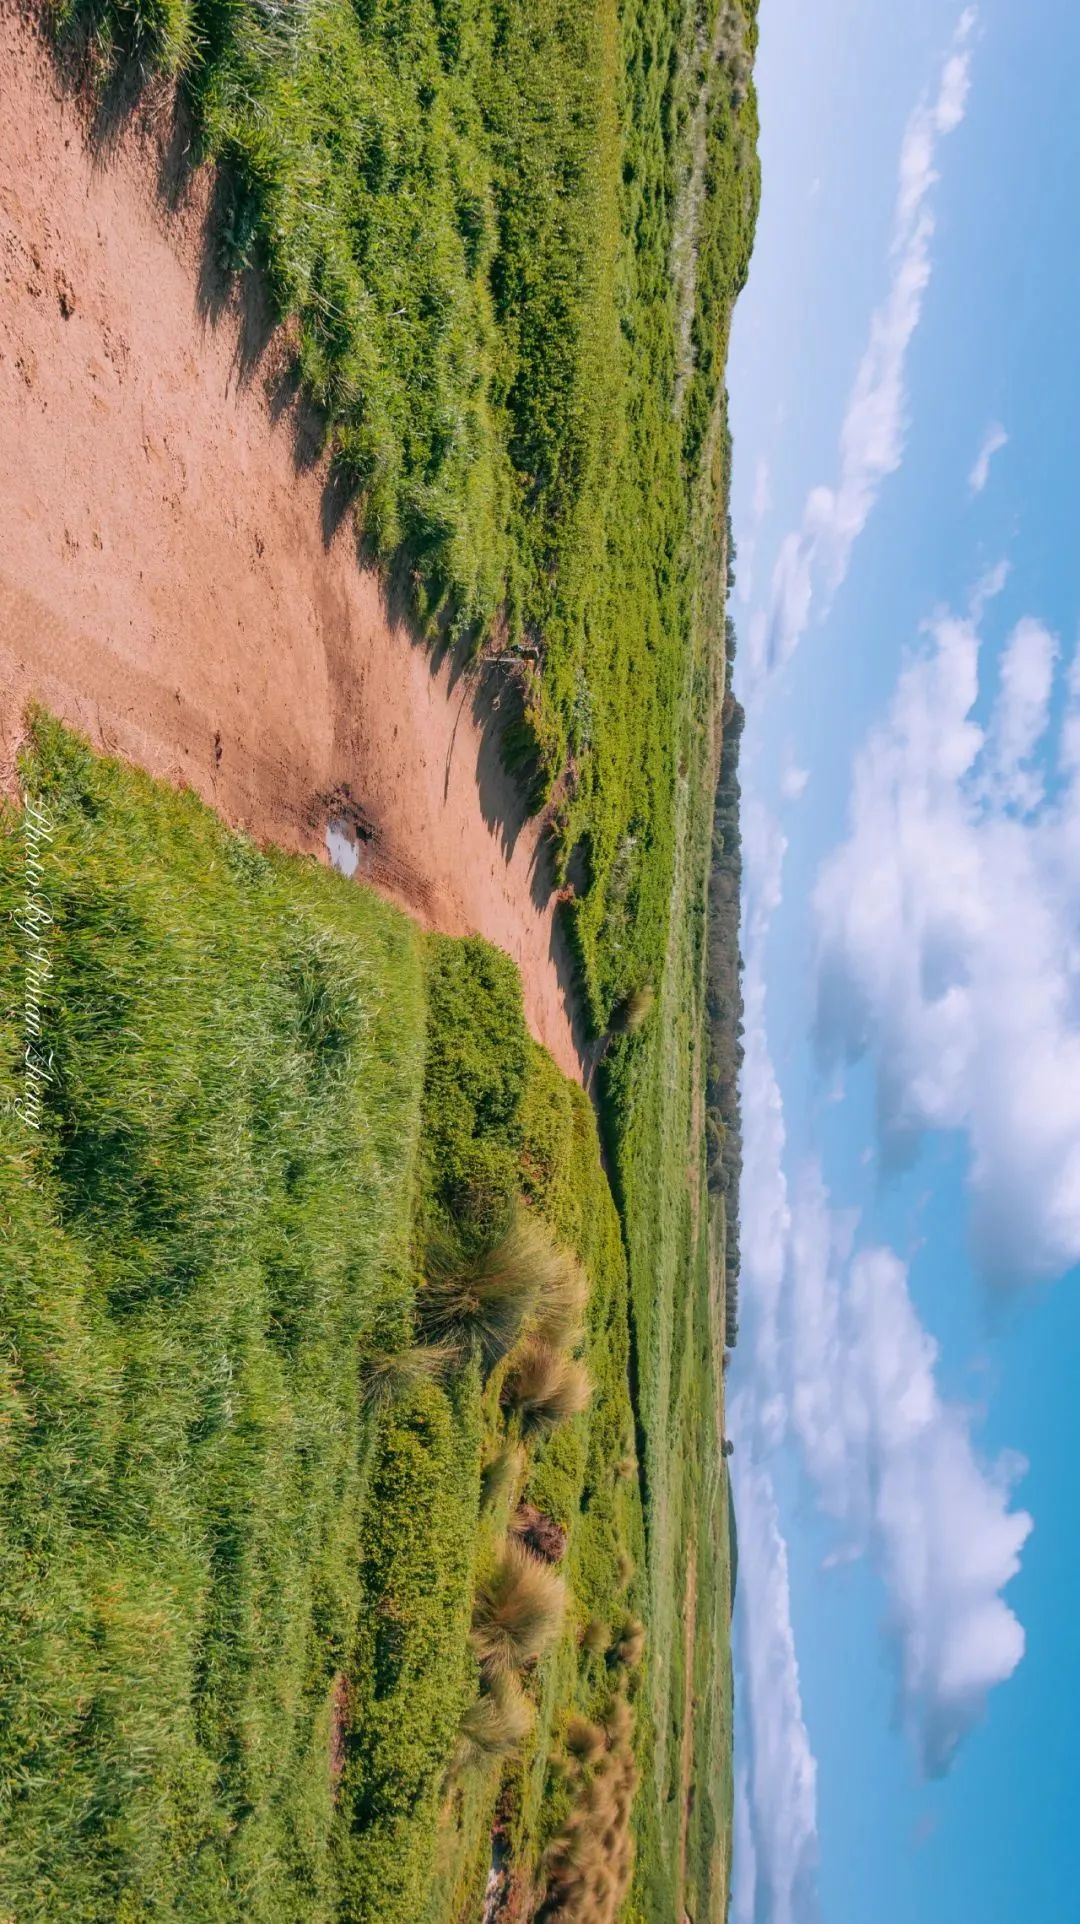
231 289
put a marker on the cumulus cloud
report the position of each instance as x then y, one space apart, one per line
817 554
993 441
793 782
948 929
776 1805
764 1213
894 1464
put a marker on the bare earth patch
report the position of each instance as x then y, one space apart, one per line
176 578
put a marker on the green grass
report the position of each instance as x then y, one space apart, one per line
507 236
214 1217
236 1587
471 209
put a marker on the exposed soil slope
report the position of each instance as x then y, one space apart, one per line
176 578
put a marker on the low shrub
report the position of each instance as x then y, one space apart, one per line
539 1533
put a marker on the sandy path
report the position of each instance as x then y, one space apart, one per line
173 579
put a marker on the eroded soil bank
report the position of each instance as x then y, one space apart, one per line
176 577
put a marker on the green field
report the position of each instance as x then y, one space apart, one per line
237 1586
260 1460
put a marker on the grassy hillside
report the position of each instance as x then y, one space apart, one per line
214 1214
250 1493
510 233
259 1241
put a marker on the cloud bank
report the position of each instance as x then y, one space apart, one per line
949 933
776 1803
894 1464
817 554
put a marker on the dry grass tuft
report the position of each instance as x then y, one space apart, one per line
502 1476
624 1567
585 1740
630 1642
636 1010
497 1723
391 1375
518 1611
596 1637
564 1297
588 1866
488 1298
546 1387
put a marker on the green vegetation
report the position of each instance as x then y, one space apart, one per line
472 209
362 1494
212 1220
260 1606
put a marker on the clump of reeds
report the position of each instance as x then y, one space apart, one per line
518 1611
546 1387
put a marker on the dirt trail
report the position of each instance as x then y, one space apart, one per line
176 578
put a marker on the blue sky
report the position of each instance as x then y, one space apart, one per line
906 414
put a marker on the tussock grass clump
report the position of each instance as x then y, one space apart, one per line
626 1469
389 1376
496 1723
624 1568
589 1863
630 1644
635 1011
502 1476
585 1740
490 1297
518 1612
564 1296
596 1637
545 1387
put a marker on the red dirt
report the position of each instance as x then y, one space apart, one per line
176 579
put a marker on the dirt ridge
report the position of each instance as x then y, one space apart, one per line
176 578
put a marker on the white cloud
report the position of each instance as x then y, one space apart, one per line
817 554
793 782
1021 714
777 1809
763 1208
994 440
894 1464
949 926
